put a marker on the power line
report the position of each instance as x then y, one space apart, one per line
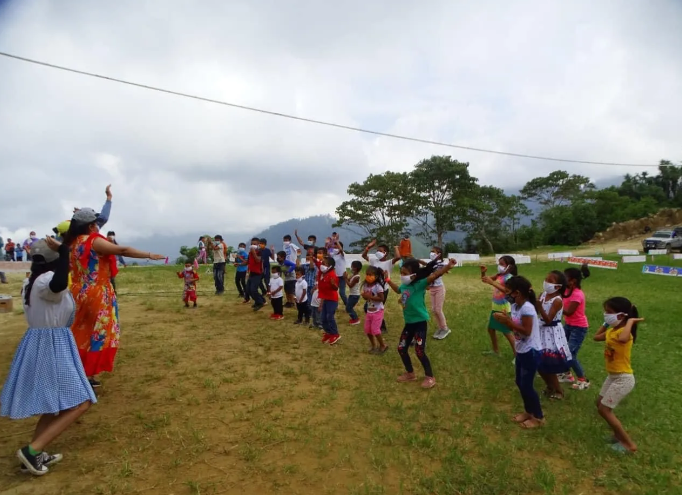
319 122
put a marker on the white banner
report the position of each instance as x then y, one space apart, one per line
634 259
628 252
654 252
558 256
677 256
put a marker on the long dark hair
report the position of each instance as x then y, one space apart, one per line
577 274
522 285
76 229
624 306
37 269
420 272
379 274
561 279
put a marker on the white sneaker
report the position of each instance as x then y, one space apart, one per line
581 384
444 333
566 378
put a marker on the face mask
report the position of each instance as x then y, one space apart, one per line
335 251
311 242
550 288
501 269
275 276
510 299
433 256
324 268
262 246
320 257
370 279
611 319
380 255
254 246
188 268
287 244
406 279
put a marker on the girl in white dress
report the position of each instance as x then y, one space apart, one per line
555 356
46 377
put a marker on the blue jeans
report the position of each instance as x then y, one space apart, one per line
526 368
219 277
575 337
252 285
328 317
342 290
315 313
350 307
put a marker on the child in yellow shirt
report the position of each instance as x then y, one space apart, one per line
619 331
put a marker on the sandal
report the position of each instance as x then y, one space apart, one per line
532 423
556 396
521 417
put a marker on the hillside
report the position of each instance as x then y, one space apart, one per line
634 229
321 226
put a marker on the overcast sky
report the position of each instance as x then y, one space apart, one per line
581 79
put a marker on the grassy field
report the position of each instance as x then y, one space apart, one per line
223 401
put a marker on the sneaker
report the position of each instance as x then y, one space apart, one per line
33 463
514 362
444 333
289 305
407 377
48 460
94 383
429 382
581 385
258 307
437 334
356 321
566 378
273 316
298 322
325 338
333 339
246 302
279 317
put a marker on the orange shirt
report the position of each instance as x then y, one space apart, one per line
405 248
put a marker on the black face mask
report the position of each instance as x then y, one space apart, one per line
510 299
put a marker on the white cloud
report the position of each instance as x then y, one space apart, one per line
566 79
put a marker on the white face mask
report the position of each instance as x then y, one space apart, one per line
275 276
188 268
335 251
287 244
406 279
550 288
254 246
501 269
611 319
433 256
324 268
380 255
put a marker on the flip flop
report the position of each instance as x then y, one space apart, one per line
620 448
520 415
555 396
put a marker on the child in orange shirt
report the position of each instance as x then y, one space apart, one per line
405 247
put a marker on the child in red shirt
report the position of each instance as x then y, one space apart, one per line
190 277
328 292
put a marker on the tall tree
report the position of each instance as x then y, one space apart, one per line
443 186
513 209
379 207
485 212
558 188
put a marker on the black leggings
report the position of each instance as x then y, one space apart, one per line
303 311
277 306
416 331
240 282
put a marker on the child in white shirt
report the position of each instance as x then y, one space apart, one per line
301 295
276 293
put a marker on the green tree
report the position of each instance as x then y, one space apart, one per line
379 208
443 186
484 215
557 189
188 255
513 210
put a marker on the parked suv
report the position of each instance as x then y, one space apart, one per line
664 239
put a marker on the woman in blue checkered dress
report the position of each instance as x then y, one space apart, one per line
46 377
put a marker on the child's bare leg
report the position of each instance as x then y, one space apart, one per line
56 426
617 427
510 338
371 340
493 340
382 344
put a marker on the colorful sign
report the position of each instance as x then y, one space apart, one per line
669 271
611 265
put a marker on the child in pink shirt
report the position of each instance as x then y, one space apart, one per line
576 324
